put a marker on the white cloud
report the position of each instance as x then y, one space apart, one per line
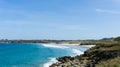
108 11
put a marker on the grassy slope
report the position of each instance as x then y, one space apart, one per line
110 63
104 55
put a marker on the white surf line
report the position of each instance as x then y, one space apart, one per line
77 52
50 62
54 46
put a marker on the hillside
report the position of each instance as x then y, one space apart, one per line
102 55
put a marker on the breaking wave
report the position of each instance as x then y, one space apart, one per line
54 46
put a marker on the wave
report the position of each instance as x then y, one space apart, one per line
53 60
54 46
77 52
74 50
50 62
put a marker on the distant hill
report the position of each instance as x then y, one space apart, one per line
117 39
108 38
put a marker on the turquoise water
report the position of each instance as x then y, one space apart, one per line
33 55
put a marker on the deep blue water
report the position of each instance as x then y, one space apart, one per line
33 55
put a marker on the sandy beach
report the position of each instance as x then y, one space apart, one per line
67 44
87 46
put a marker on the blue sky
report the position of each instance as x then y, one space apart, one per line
59 19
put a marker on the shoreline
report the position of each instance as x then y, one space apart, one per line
66 44
61 44
87 46
54 60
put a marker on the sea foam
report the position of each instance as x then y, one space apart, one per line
77 52
54 46
53 60
50 62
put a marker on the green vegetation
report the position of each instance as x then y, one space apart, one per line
110 63
81 42
117 39
104 54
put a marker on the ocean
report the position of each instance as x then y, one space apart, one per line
35 55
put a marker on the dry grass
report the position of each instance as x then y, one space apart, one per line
110 63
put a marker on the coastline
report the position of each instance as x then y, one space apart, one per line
54 60
61 46
87 46
101 55
59 59
67 44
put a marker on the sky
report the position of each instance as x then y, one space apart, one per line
59 19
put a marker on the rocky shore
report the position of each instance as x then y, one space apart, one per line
97 56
